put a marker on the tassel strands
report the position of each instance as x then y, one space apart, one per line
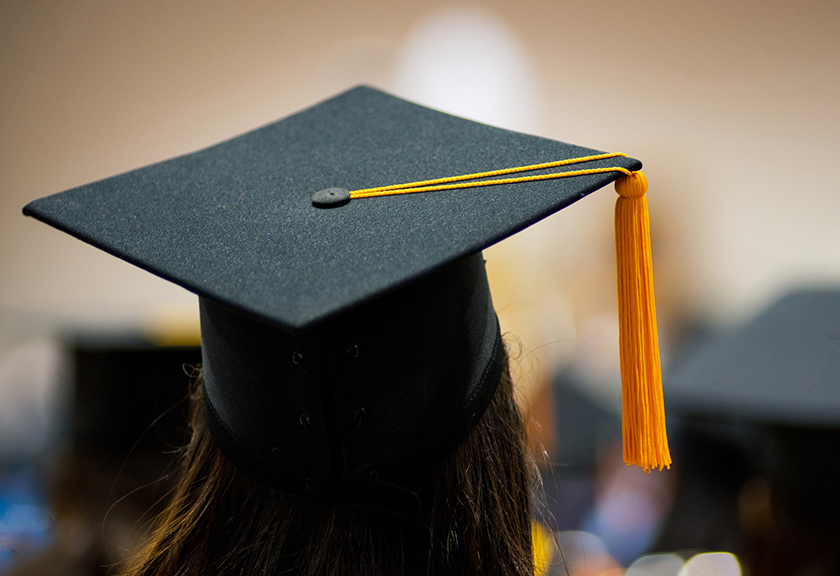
643 411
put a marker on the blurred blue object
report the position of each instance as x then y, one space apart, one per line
25 524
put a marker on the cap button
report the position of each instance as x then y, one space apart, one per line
330 197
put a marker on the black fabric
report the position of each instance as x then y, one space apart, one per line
235 222
363 404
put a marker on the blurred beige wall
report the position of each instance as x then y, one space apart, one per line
732 106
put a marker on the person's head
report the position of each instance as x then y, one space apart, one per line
474 516
383 441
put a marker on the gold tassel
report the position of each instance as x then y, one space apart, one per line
643 411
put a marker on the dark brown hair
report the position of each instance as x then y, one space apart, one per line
475 516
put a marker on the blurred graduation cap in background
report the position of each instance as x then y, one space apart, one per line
782 368
345 335
759 412
129 395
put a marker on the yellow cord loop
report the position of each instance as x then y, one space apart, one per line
643 418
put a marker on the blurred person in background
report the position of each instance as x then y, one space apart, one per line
758 411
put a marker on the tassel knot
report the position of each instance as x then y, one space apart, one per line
633 185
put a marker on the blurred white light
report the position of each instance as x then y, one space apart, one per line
656 565
585 553
712 564
470 63
580 543
31 378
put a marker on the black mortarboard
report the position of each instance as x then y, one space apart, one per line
781 368
346 348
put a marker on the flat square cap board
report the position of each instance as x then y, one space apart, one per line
781 368
236 222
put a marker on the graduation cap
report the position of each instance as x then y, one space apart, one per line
348 332
781 368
